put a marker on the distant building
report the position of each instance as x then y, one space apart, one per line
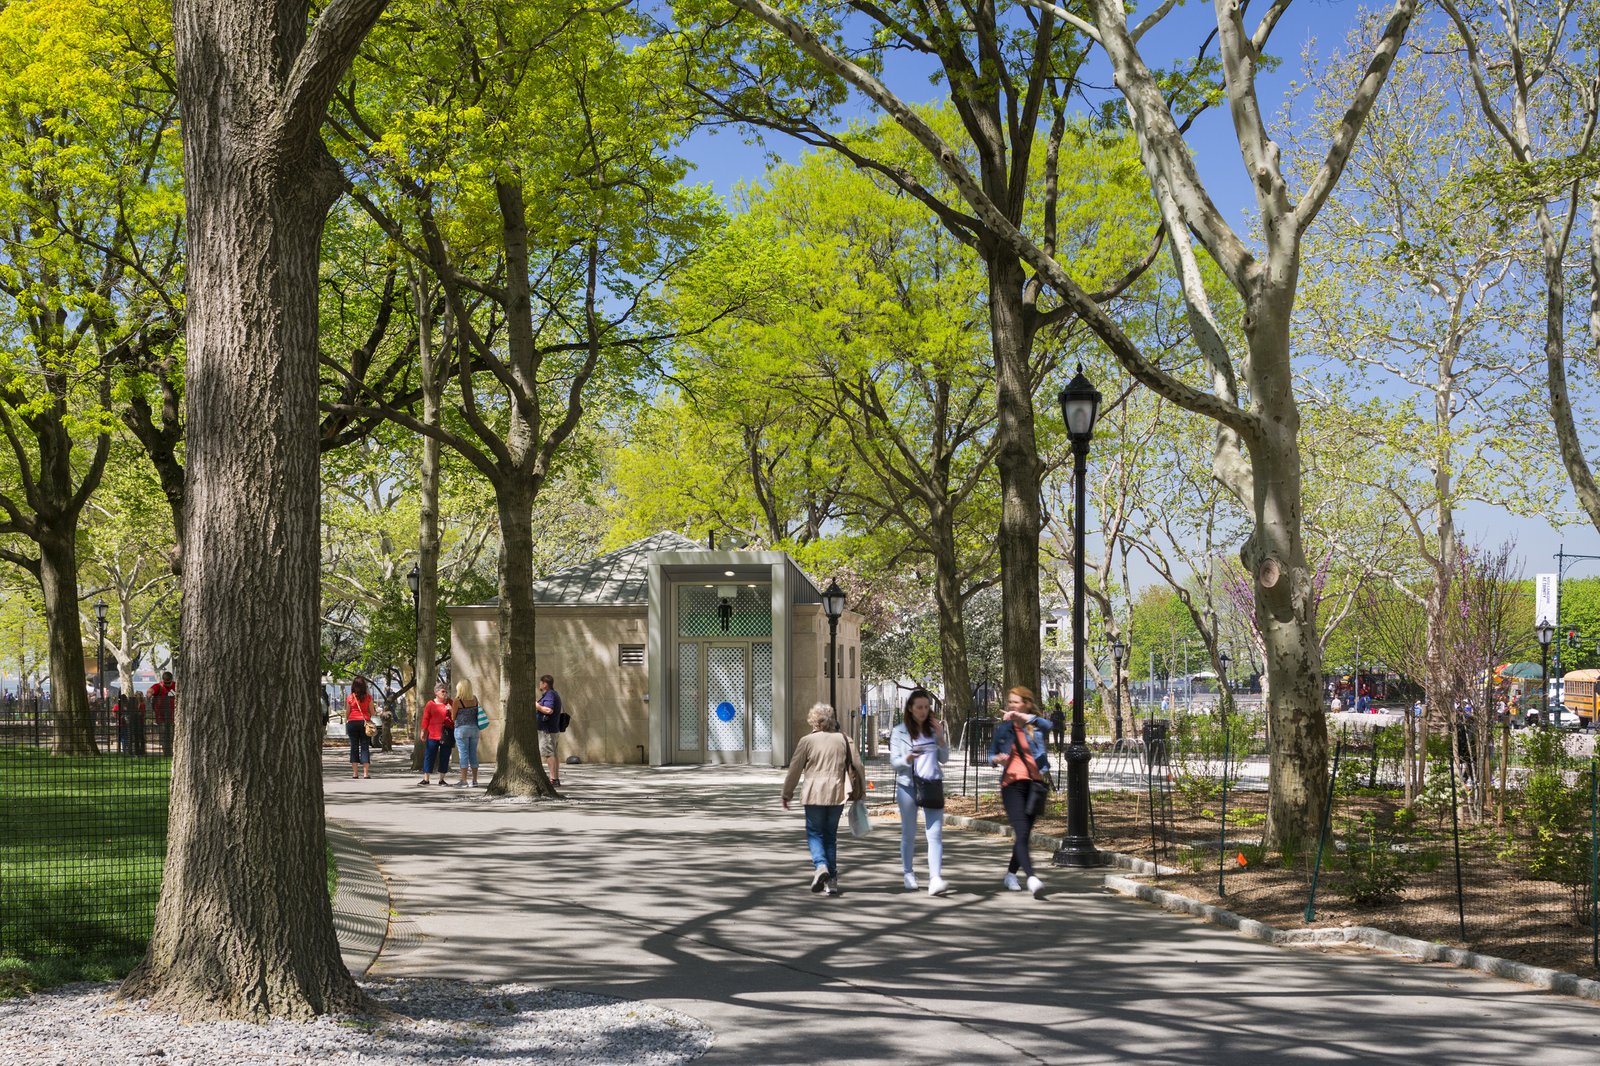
667 652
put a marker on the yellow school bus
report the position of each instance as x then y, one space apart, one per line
1578 694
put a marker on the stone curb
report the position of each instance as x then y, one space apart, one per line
1566 984
360 902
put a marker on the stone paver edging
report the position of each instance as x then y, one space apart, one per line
1366 936
360 902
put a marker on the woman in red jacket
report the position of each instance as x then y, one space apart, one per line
435 713
357 713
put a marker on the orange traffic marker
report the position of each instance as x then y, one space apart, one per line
871 786
1242 860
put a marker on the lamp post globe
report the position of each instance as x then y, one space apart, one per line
833 607
1080 408
1118 650
1545 632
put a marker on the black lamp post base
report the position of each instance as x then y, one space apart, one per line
1078 852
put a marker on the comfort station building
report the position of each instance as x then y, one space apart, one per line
668 652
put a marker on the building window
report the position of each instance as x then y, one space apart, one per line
630 654
852 660
827 660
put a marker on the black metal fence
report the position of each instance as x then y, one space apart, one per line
84 837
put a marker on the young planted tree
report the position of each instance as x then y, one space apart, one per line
1010 74
1252 397
1537 84
244 928
1417 293
89 163
520 158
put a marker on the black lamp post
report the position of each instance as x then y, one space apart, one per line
1117 651
1080 406
100 666
833 607
1223 661
1545 632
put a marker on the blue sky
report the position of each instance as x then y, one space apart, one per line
724 158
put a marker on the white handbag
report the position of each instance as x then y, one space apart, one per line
860 824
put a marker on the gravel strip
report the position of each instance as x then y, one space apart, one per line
432 1021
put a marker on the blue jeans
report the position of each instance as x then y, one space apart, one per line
467 746
934 819
436 758
360 743
822 836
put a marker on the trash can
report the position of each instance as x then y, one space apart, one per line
1155 741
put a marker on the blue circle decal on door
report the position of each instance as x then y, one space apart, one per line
726 711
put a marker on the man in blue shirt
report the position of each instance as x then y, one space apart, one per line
549 709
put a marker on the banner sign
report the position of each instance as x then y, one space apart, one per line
1545 599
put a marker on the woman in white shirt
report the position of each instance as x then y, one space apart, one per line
917 749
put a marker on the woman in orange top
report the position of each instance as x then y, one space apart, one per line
357 713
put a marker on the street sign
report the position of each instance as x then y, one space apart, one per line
1546 599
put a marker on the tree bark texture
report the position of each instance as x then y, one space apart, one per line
69 701
427 525
518 770
1017 461
952 626
244 927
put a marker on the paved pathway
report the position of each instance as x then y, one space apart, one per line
687 887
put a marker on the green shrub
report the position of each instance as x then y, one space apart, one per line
1373 870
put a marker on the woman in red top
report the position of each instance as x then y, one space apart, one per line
357 713
435 716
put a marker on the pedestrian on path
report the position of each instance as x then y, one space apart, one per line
163 696
466 718
357 716
549 708
917 748
434 715
1019 747
833 776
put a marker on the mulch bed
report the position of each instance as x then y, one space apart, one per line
1507 914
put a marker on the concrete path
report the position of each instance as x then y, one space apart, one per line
687 887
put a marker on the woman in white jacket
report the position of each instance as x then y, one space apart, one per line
918 747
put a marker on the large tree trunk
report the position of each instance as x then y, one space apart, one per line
518 769
244 927
952 628
69 700
427 525
1017 460
1285 603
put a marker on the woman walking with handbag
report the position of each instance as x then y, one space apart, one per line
357 719
1019 748
434 715
833 775
917 747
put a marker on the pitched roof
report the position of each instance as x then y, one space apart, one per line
616 578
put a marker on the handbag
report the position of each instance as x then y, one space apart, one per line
1038 791
860 824
372 729
928 792
483 718
563 719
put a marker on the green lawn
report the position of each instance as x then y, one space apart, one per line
81 853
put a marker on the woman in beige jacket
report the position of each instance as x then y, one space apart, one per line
826 758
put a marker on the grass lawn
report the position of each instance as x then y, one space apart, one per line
80 865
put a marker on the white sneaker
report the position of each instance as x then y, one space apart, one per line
1012 883
833 887
911 882
1036 886
937 886
819 879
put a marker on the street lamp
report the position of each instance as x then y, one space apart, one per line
1545 632
1080 406
1223 660
100 668
833 607
419 697
1117 651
